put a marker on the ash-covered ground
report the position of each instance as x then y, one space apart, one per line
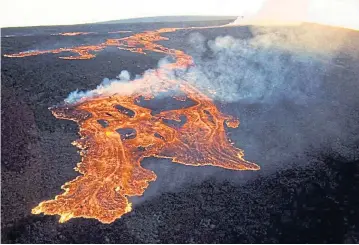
294 89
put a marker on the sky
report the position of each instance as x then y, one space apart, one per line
39 12
65 12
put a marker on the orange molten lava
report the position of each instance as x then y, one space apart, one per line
114 32
73 33
137 43
110 167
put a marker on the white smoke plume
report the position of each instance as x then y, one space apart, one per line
340 13
343 13
120 85
266 66
293 88
123 84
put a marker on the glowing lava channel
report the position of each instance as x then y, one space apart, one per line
110 167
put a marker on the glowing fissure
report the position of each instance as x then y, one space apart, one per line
110 166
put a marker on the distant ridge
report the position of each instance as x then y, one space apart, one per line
168 19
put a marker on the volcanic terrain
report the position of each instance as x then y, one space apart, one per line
294 90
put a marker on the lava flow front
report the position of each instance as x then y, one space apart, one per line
110 167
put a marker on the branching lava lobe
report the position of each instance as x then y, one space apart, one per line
110 168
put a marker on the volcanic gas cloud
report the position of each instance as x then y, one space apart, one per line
117 133
339 13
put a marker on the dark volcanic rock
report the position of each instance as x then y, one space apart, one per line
292 206
18 131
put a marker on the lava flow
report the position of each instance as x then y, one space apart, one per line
117 132
72 33
136 43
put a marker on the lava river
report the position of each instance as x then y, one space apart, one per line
111 161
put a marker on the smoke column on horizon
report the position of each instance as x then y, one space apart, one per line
340 13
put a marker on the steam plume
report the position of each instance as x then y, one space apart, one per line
340 13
